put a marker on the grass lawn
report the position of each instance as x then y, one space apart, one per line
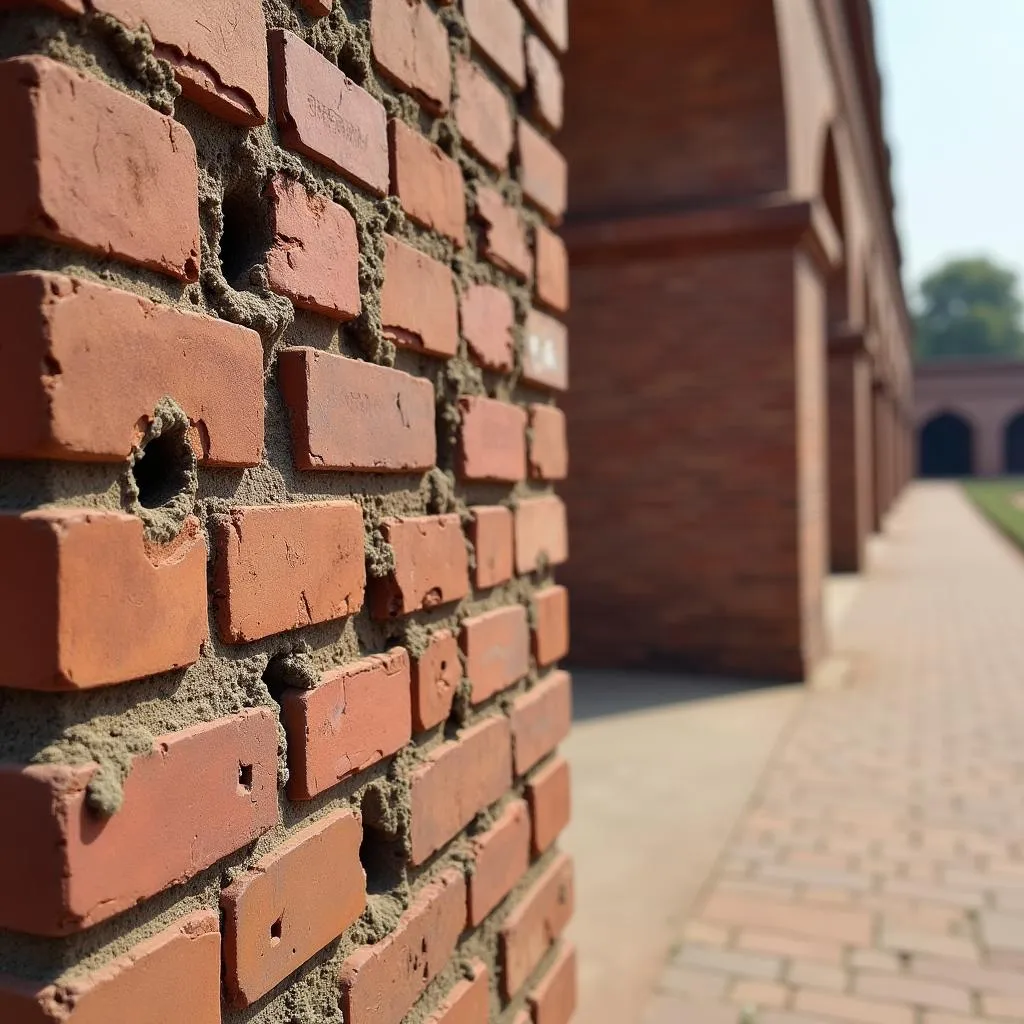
1002 501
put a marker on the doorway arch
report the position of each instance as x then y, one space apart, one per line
1013 445
947 446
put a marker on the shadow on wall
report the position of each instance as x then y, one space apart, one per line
598 694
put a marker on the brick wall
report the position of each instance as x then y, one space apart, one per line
281 354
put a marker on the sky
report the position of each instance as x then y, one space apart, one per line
953 80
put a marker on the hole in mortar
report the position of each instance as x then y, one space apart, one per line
244 238
163 469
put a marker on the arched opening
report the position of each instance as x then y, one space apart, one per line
947 446
1013 445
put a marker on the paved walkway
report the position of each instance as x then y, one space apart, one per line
878 876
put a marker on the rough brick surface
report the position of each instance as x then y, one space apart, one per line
551 625
201 794
546 86
458 780
496 28
90 167
379 984
553 1000
410 46
310 233
293 902
491 533
488 316
435 677
324 115
501 856
468 1002
548 793
504 238
497 650
540 719
546 352
552 262
356 716
551 17
86 365
418 305
350 414
542 171
549 447
492 440
64 623
428 183
541 533
483 115
279 568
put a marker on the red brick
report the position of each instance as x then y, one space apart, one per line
350 414
431 566
457 781
380 983
551 625
492 538
551 18
218 51
410 46
310 233
535 924
358 715
543 172
92 168
172 976
549 447
86 365
418 307
826 924
492 440
497 649
553 1001
201 794
552 284
547 89
468 1002
64 625
541 533
541 718
501 856
282 567
488 317
482 115
324 115
504 240
549 794
496 27
290 904
427 182
435 678
317 8
546 352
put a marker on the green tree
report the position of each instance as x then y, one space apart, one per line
969 309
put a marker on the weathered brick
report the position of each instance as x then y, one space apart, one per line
468 1002
546 352
311 233
410 46
549 795
832 924
354 415
541 533
280 567
63 624
551 625
553 1001
436 673
92 168
324 115
171 976
541 718
501 856
491 533
496 28
457 781
86 365
844 1007
358 715
543 172
901 989
482 115
431 565
551 18
547 88
290 904
488 316
759 993
817 975
549 446
552 262
380 983
428 182
970 975
492 440
497 649
418 306
504 240
201 794
1002 931
535 924
729 961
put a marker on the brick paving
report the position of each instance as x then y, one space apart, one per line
878 875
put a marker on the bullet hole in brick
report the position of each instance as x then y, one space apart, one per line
244 238
245 776
163 469
275 931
